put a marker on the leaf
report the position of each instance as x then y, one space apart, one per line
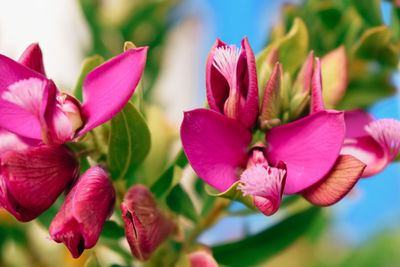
179 202
112 230
47 217
129 141
87 66
262 246
396 21
292 50
167 180
375 44
233 194
370 11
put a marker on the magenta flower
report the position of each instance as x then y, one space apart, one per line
145 225
216 147
374 142
31 105
299 157
231 82
32 176
81 218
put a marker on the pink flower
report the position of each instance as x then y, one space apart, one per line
374 142
231 82
81 218
32 176
32 106
145 225
299 157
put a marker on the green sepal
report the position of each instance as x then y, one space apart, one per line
233 194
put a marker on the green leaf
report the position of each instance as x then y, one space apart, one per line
292 51
370 11
396 22
167 180
88 65
375 44
234 194
179 201
112 230
262 246
129 141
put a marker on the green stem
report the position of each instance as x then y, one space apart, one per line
212 217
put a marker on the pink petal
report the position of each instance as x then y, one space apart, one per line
108 88
368 151
33 59
337 183
215 146
356 120
247 81
216 85
306 73
309 147
16 117
36 176
81 218
145 225
317 103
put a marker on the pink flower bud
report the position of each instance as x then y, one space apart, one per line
145 225
202 258
32 178
81 218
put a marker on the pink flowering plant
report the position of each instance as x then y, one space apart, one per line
96 166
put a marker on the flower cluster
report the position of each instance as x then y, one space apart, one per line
37 120
276 146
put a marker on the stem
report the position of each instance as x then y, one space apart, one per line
211 218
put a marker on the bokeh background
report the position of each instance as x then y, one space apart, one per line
362 230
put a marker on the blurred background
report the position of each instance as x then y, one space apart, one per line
361 230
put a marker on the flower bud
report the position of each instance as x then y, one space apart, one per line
202 258
231 82
79 222
31 179
145 225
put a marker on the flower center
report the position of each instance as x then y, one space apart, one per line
262 180
225 61
387 133
71 108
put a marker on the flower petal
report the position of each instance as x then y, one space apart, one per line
337 183
108 88
247 81
81 218
356 120
317 103
216 85
33 59
215 146
145 225
36 176
15 117
309 147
